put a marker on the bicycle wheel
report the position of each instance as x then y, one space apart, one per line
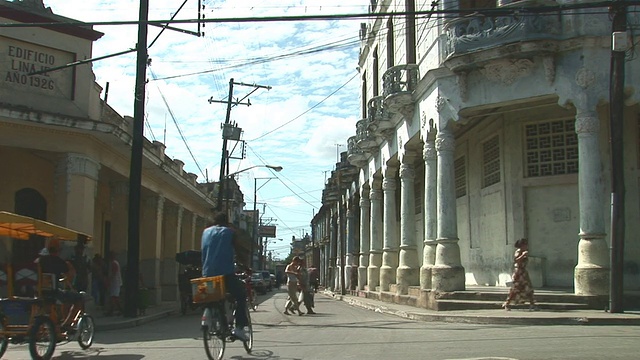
248 345
42 339
4 341
86 331
214 341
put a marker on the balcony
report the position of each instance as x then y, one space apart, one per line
379 118
355 155
365 137
399 83
525 31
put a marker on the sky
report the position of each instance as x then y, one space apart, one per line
301 123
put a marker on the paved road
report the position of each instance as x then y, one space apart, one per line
340 331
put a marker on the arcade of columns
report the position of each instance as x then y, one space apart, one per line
383 260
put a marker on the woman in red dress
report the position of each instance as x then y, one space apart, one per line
521 288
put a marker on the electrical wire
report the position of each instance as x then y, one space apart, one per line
306 111
184 140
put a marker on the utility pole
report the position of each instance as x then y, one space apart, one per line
135 172
616 119
228 131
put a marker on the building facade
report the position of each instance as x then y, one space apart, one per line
484 122
66 154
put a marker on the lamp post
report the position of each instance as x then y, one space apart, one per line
222 185
255 210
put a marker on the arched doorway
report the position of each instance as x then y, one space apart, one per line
28 202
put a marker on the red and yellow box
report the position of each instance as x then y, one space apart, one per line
208 289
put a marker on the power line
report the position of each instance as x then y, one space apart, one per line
306 111
184 140
551 9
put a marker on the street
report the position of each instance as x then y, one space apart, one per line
340 331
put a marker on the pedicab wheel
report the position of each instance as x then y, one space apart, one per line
248 344
4 342
214 342
42 339
86 331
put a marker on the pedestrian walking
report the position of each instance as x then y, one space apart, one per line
293 274
114 279
521 288
306 290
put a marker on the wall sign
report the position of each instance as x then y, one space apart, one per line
18 59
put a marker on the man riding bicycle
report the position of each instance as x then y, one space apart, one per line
50 262
218 257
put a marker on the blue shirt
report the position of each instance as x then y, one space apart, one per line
217 251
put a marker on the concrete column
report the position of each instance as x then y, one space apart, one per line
76 187
170 243
333 247
408 273
179 241
151 248
194 232
349 256
339 248
591 274
390 233
365 223
375 226
430 212
447 273
157 279
119 198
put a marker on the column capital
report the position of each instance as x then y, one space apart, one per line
79 164
376 194
388 184
407 172
445 142
429 150
587 122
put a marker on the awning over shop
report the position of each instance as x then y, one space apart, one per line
22 227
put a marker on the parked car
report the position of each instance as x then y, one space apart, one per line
266 276
257 282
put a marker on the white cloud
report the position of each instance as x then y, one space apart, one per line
305 143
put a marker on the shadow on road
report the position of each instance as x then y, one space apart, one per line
94 353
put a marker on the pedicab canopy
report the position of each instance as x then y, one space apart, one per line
22 227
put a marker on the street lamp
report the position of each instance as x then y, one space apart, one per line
222 184
255 210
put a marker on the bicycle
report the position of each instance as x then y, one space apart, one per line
217 327
217 321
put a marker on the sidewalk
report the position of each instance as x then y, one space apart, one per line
497 316
155 312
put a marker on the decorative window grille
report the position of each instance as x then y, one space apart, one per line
491 161
460 172
551 148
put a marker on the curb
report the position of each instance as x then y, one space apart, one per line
129 323
471 318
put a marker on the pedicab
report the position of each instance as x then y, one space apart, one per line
37 319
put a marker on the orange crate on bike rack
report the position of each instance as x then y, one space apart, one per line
208 289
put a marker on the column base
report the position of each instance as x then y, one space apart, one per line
447 278
387 277
425 277
362 277
373 277
591 280
405 277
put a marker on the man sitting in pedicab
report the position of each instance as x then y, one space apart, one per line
50 262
